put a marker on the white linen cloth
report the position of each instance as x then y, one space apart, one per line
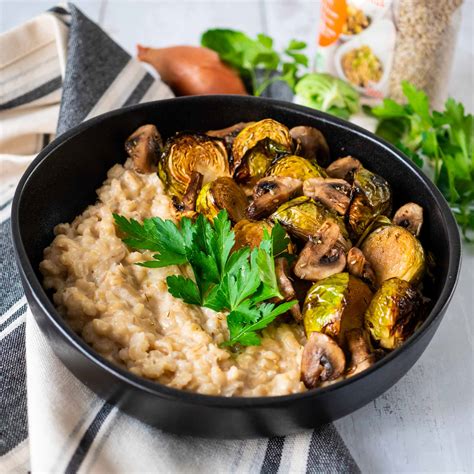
56 71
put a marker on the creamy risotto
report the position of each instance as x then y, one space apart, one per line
258 224
126 314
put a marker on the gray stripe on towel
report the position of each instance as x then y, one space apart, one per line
89 49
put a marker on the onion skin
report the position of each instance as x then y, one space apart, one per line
192 70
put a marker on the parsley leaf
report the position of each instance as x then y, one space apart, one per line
444 140
256 60
224 280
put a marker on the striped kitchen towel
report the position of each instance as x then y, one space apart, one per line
56 71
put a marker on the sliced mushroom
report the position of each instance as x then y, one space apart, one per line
333 193
144 147
361 355
323 255
410 216
228 133
343 168
358 266
322 360
311 144
188 203
285 285
270 192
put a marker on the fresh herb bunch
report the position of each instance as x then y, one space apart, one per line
237 281
250 56
445 139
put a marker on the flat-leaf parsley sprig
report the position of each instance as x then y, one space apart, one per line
238 281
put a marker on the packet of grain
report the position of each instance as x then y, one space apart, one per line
376 44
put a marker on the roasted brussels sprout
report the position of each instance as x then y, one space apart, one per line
304 217
410 216
372 197
311 144
144 147
185 153
271 137
222 193
335 305
392 251
333 193
250 233
322 360
270 192
392 314
323 255
297 167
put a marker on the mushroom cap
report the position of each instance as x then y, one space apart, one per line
344 168
358 266
361 355
322 360
409 216
270 192
312 144
323 255
144 147
333 193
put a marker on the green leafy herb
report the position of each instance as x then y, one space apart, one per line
328 93
224 280
444 140
256 60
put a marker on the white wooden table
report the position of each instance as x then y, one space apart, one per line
425 423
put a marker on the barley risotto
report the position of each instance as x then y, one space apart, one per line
306 277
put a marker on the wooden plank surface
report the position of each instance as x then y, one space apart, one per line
425 422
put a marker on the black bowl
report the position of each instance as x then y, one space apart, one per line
62 181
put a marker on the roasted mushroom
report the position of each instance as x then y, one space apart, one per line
361 355
392 314
285 285
185 153
311 144
188 203
409 216
222 193
272 137
333 193
144 147
270 192
336 305
372 197
358 266
297 167
249 233
322 360
392 251
323 255
304 217
344 168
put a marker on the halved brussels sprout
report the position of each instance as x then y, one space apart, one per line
297 167
392 314
273 137
222 193
372 197
392 251
185 153
335 305
250 233
304 217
